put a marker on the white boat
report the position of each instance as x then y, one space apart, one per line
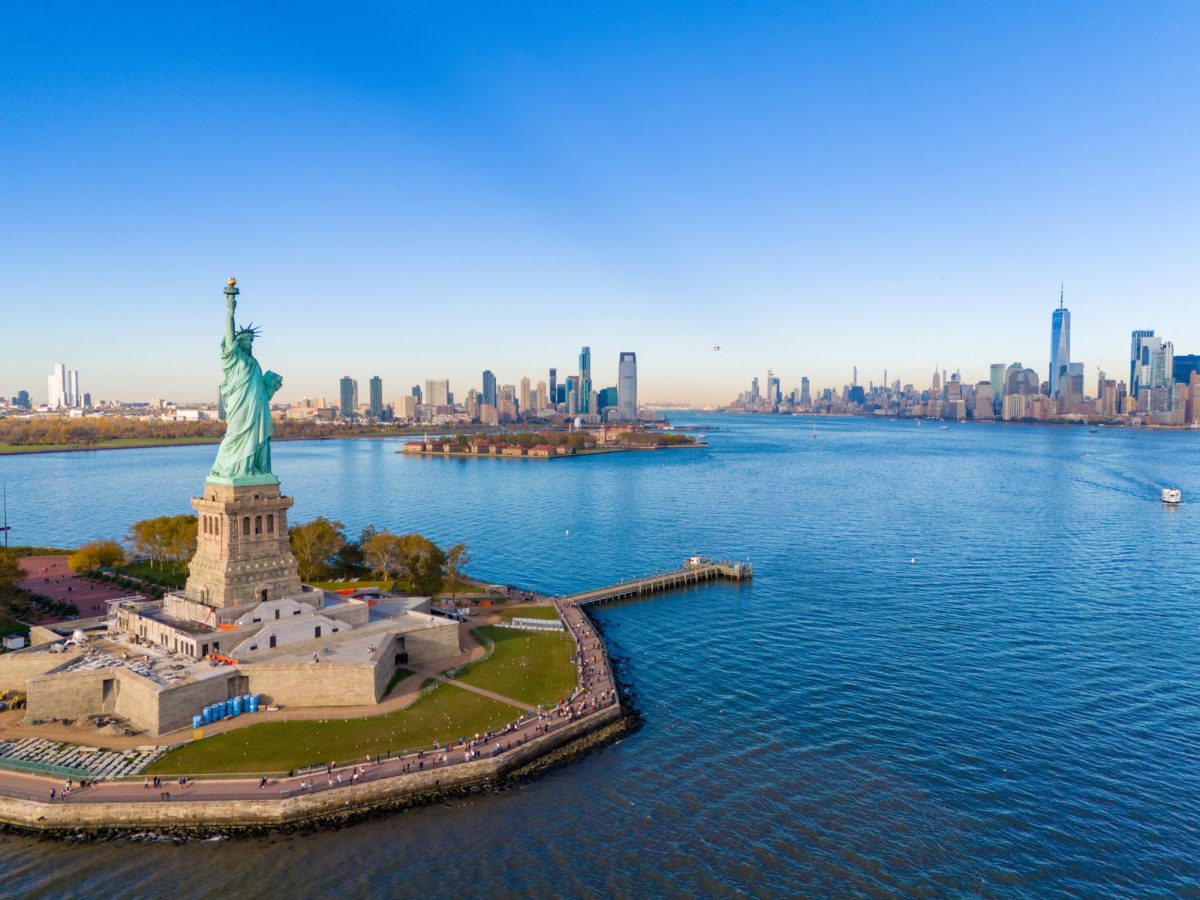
1172 496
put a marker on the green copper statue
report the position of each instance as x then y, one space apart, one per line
245 453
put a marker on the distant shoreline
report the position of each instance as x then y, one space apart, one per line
151 443
133 444
1146 426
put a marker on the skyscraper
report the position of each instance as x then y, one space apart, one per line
1135 356
805 392
63 387
775 389
627 404
437 392
523 401
489 387
553 386
585 379
348 397
573 395
376 385
1185 364
542 400
56 387
997 381
1060 344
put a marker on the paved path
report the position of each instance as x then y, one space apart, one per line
596 692
476 690
51 577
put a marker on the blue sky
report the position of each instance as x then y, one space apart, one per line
430 190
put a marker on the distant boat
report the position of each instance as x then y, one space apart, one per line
1172 496
1093 431
943 428
814 425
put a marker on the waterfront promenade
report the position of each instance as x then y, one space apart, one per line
25 799
348 786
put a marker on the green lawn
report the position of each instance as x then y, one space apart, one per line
528 612
529 666
106 445
169 573
446 714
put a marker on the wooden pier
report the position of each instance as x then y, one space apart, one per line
697 569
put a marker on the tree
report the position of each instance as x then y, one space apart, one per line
96 555
315 544
384 553
424 562
457 559
179 537
11 572
164 538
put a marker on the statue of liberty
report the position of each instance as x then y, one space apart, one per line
245 452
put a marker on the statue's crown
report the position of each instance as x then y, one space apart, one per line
250 329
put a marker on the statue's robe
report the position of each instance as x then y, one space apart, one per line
246 447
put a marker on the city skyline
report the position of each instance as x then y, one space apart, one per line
850 185
1060 339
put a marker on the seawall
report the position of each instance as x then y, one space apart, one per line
338 806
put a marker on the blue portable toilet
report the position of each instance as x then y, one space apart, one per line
237 706
218 712
254 703
197 721
206 715
229 707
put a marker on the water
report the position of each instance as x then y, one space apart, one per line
1015 713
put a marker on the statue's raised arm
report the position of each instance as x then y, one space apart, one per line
245 452
231 308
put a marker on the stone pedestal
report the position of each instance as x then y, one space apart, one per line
242 552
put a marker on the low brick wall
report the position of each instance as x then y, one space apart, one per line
343 802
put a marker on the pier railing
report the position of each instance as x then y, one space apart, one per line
697 569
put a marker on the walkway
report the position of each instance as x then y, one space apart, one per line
51 577
695 571
491 695
597 691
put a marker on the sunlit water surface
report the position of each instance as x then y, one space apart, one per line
969 662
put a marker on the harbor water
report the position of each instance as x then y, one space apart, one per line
968 663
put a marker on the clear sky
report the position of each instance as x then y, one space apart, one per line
425 191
